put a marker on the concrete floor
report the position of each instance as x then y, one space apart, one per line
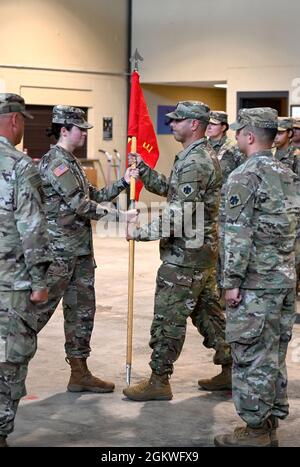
50 416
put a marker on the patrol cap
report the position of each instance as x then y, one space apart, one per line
190 109
13 103
218 116
259 117
67 115
285 123
296 122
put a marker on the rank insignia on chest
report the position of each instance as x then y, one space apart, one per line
234 201
60 170
187 189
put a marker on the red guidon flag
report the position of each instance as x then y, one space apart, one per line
140 126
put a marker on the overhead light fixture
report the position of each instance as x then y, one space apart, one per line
220 85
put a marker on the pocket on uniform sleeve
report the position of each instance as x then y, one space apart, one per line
188 185
237 198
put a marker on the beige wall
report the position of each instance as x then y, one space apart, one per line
254 46
196 40
68 34
169 95
74 52
69 52
264 78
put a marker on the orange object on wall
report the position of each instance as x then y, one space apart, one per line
92 175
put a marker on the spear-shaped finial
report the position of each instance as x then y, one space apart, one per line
135 59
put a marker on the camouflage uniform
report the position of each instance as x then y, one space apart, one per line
24 259
296 126
71 202
291 158
230 157
261 210
185 284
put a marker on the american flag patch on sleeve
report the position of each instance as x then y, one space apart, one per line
60 170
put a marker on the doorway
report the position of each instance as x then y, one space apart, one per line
277 100
36 143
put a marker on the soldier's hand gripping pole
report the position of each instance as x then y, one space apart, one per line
130 280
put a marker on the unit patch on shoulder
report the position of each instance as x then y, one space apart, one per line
60 170
187 189
235 200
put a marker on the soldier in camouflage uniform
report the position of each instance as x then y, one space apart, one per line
71 202
185 284
285 152
289 155
229 155
24 260
262 209
296 130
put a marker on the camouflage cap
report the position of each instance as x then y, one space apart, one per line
67 115
259 117
285 123
190 109
13 103
218 116
296 122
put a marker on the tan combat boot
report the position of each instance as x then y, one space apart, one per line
156 388
221 382
245 437
271 424
223 354
3 443
82 379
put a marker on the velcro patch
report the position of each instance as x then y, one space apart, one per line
235 200
35 180
60 170
187 189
